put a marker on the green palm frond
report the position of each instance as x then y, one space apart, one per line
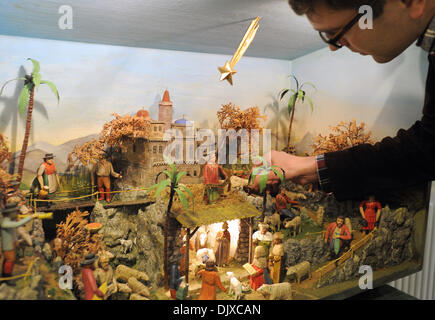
263 182
311 103
277 171
160 186
36 66
1 90
310 84
182 198
178 177
187 190
52 87
23 99
169 174
36 78
282 93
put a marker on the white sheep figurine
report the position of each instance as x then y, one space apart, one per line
274 220
300 270
277 291
295 225
238 183
235 285
127 245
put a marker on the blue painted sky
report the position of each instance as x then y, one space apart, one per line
97 80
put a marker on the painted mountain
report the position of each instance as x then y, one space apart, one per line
36 152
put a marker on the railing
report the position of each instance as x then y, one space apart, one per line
24 275
322 271
34 201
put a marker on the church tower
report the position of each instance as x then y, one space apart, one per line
165 111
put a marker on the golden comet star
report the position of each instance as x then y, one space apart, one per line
227 70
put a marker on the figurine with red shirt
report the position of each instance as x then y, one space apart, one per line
210 282
88 278
256 280
222 246
370 211
212 172
336 234
281 202
47 176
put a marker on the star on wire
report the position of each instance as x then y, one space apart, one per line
227 70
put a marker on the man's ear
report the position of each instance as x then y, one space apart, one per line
415 8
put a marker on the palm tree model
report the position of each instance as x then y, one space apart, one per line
172 181
296 95
31 82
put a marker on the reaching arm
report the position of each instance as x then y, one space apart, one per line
361 210
219 283
15 224
378 213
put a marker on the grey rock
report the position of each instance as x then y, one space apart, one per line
46 251
57 263
144 227
7 292
27 294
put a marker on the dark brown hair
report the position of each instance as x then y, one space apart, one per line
301 7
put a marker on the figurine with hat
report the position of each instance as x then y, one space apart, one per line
9 235
89 282
47 177
104 170
222 246
262 237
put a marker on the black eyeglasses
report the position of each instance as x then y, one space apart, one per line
338 35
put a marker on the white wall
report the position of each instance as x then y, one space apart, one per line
349 86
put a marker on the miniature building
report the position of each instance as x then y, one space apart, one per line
143 158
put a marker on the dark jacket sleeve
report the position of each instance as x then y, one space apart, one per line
402 161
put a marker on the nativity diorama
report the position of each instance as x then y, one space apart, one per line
121 219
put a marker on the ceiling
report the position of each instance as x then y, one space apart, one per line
210 26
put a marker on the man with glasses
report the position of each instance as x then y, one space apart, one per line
408 158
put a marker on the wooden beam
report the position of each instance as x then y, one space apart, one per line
187 253
193 232
250 240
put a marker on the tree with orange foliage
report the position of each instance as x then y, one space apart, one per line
115 133
345 135
88 153
75 240
5 156
232 117
124 128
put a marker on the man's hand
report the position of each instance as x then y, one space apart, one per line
35 215
301 170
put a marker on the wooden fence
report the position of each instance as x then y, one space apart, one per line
322 271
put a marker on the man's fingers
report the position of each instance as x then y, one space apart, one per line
271 179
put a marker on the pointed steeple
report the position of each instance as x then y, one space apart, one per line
165 111
166 97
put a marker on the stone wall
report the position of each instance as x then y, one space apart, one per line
392 244
144 227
